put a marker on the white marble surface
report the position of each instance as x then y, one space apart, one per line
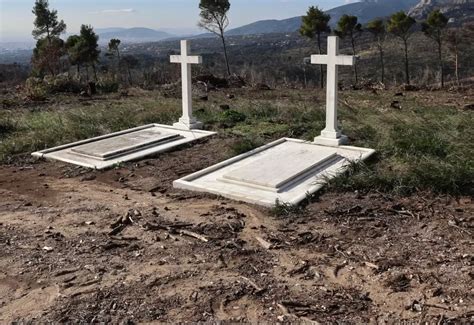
135 144
331 135
287 178
187 121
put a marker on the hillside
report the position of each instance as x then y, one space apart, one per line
458 11
366 11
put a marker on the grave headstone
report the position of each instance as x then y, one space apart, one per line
187 121
331 135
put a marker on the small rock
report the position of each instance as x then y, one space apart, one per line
396 104
48 249
88 178
262 87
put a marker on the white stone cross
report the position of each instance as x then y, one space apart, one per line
187 121
331 135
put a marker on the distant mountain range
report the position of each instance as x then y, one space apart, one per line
365 10
132 35
459 11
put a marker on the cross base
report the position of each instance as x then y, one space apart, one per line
331 142
188 125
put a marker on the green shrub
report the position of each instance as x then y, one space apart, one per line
36 89
6 127
62 84
246 144
231 117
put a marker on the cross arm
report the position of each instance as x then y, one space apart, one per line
319 59
186 59
345 60
338 60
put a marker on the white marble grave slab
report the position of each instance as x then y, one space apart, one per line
286 171
109 150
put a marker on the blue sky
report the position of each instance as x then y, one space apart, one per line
16 20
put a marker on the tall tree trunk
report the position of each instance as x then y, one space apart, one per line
305 78
355 64
440 58
382 62
407 67
456 57
95 72
130 81
321 67
224 45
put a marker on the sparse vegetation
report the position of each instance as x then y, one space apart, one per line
423 146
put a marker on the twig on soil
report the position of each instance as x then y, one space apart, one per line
121 224
437 306
286 313
253 284
66 271
169 227
371 265
405 213
300 307
263 242
194 235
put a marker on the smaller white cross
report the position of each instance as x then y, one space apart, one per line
331 135
187 121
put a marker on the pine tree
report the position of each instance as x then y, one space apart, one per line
114 52
434 28
313 25
215 20
49 47
46 22
378 29
113 46
73 52
89 47
348 26
401 26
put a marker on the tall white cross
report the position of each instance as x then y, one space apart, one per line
331 135
187 121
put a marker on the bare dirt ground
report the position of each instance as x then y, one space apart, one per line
123 246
